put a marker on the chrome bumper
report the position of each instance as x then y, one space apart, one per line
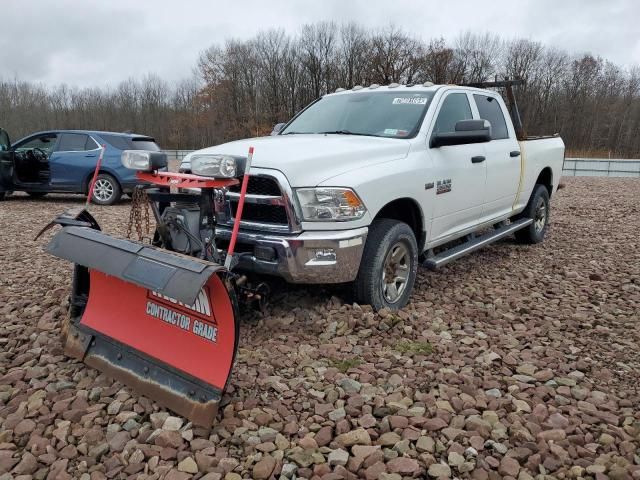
308 257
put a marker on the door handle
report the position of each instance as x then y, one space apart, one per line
478 159
90 155
515 153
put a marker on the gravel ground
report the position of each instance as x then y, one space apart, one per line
513 362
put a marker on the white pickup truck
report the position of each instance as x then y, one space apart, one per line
364 184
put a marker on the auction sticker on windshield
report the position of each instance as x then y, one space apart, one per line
409 101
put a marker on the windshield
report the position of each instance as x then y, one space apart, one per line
377 114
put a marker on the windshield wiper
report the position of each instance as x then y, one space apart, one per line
348 132
293 133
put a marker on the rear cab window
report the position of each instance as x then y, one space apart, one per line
122 142
489 109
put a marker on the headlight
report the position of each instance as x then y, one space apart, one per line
219 166
143 160
330 204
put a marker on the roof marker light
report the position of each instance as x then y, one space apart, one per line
427 84
357 87
394 85
373 85
338 90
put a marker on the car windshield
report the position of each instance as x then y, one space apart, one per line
377 114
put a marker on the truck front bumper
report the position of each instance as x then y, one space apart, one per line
308 257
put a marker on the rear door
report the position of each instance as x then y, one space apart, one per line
6 163
503 158
458 183
74 159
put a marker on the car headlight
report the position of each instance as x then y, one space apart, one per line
143 160
330 204
218 166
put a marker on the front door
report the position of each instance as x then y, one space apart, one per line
6 163
74 158
459 177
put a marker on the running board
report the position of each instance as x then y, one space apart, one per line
447 256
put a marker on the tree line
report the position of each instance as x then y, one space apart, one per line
243 87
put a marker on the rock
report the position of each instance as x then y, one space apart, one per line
363 451
606 439
493 392
172 424
403 466
337 414
262 470
434 424
455 459
338 457
350 385
28 464
389 439
355 437
438 470
324 436
289 470
425 444
509 466
24 426
556 435
118 441
188 465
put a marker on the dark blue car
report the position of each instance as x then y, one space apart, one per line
64 161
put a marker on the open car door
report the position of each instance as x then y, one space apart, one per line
6 164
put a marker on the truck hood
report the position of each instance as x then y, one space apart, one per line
309 160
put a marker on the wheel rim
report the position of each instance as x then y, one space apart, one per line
540 218
103 190
395 272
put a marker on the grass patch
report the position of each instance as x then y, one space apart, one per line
415 348
344 365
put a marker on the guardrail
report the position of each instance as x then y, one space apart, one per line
600 167
573 167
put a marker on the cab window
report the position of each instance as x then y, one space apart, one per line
489 109
454 108
46 142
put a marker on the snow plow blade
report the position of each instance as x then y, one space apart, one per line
160 322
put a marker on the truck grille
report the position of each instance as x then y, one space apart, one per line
259 186
265 207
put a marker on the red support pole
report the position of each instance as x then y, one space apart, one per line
95 175
236 224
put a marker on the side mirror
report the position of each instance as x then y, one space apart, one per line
466 131
277 128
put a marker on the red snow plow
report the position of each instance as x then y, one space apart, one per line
160 316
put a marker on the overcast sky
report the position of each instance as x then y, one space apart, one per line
101 42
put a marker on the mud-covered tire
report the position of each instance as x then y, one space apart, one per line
2 195
391 252
106 190
538 210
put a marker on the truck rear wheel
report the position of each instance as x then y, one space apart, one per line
388 266
538 210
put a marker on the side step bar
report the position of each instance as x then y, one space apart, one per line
448 256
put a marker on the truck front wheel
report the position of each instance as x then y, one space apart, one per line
388 266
